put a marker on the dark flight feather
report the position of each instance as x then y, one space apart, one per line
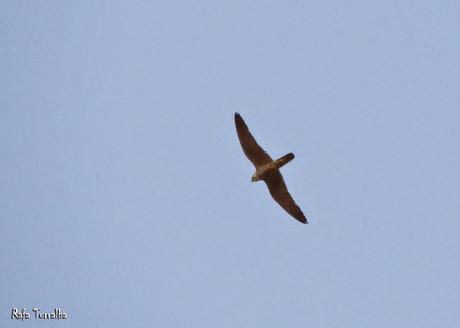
280 194
251 149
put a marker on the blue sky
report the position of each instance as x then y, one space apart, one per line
125 198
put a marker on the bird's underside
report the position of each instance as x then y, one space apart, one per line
267 169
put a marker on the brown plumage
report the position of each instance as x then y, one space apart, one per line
267 169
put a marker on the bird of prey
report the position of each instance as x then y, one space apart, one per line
267 169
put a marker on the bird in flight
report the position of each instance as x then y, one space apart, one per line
267 169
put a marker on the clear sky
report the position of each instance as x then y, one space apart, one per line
125 198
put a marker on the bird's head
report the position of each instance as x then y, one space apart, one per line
255 178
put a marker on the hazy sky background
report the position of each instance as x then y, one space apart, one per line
125 198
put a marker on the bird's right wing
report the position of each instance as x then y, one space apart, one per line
251 149
280 194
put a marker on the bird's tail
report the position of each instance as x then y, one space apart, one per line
284 160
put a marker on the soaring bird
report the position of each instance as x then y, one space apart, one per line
267 169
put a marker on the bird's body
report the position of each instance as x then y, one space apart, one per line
267 169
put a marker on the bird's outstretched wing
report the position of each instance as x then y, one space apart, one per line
280 194
251 149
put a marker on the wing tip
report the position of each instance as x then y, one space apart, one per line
303 219
238 117
239 120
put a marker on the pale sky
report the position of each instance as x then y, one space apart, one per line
125 198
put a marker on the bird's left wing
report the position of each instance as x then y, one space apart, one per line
280 194
251 149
